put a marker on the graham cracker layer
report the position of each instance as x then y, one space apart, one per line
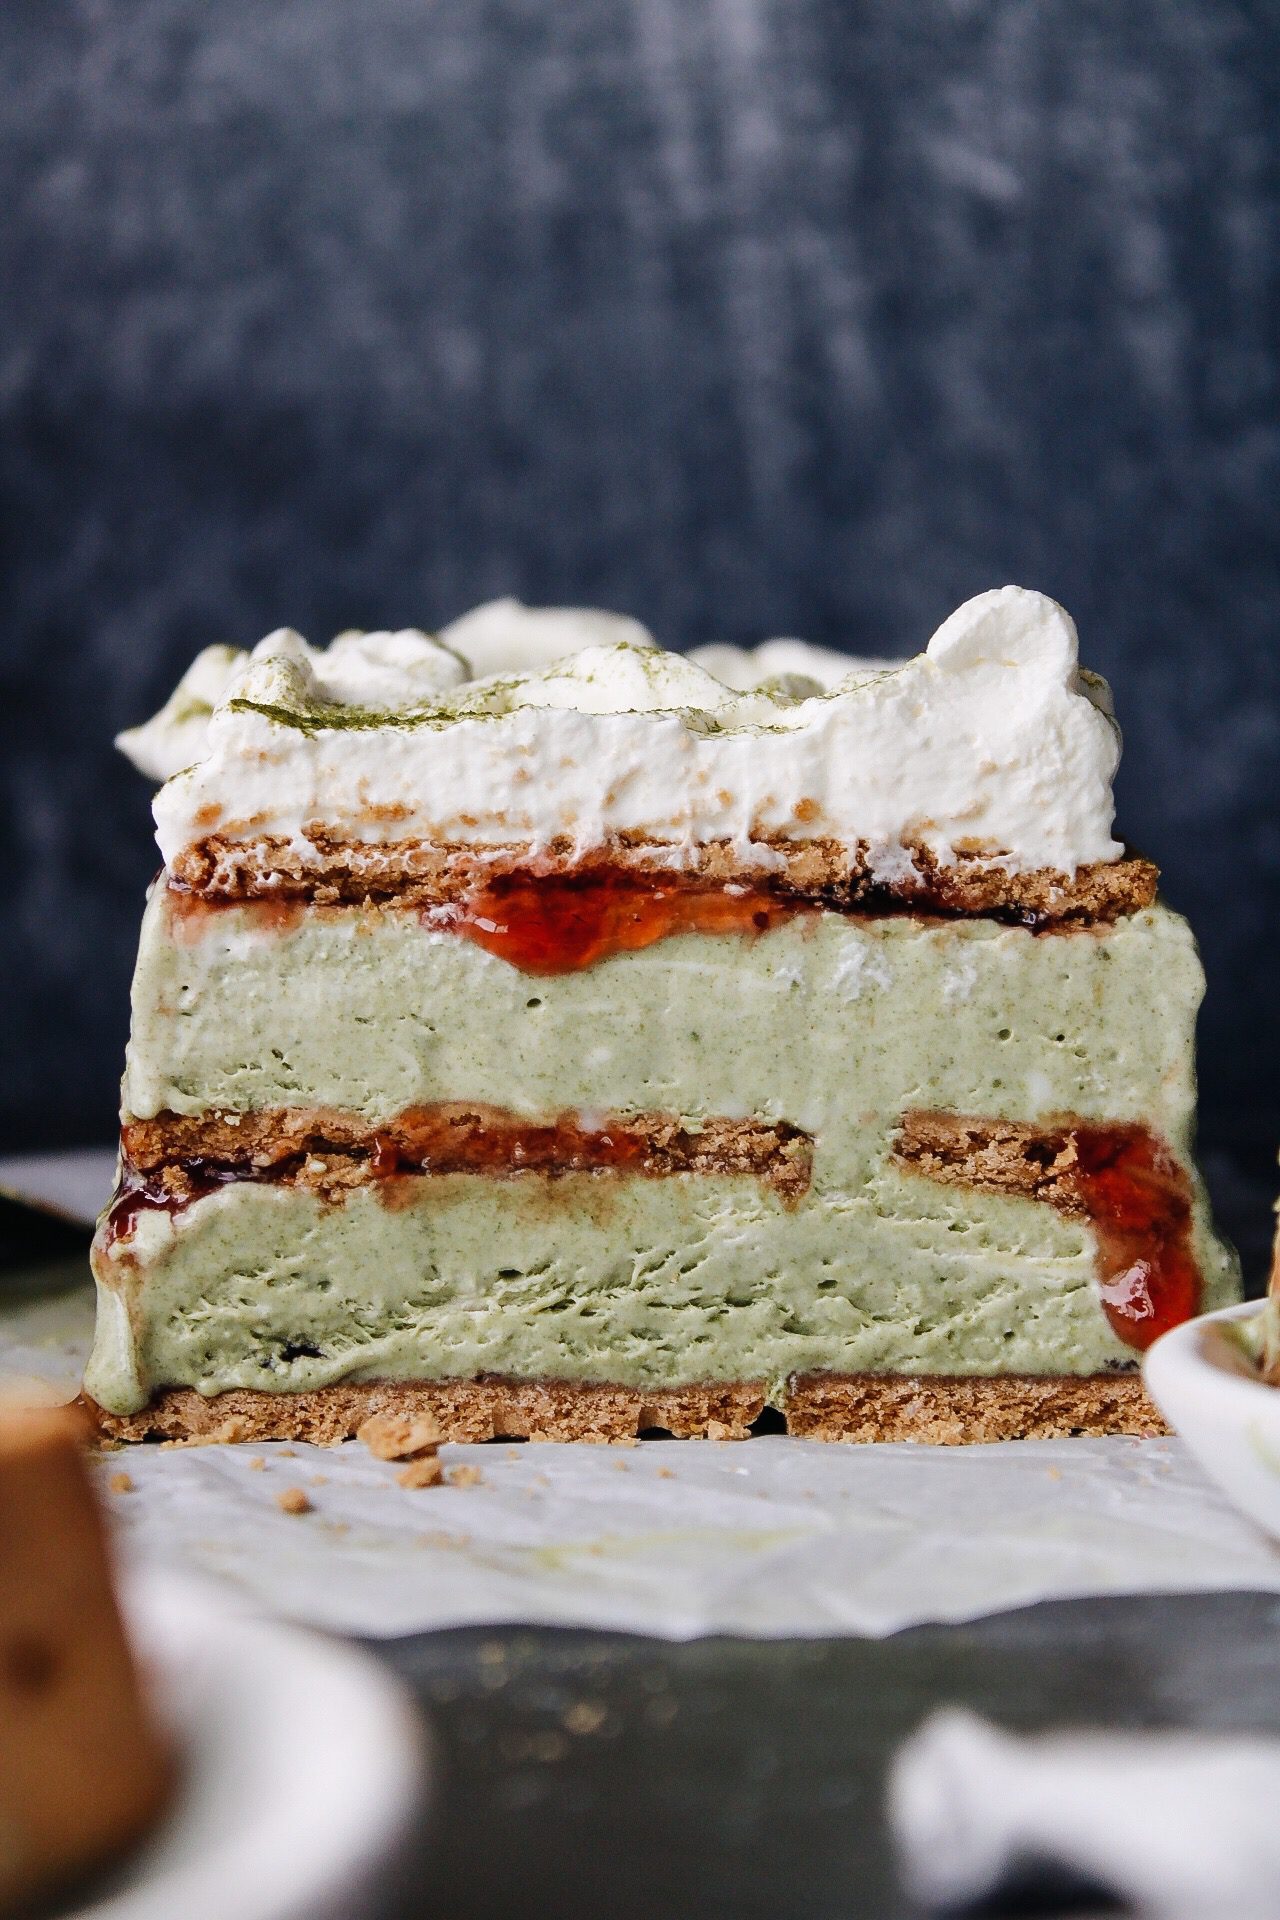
1036 1160
947 1411
328 1150
461 1409
332 871
939 1409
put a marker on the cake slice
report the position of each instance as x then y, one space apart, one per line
594 1045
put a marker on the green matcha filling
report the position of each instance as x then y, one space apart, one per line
833 1023
647 1283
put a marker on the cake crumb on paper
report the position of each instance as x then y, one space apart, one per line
465 1477
426 1471
293 1500
399 1436
121 1483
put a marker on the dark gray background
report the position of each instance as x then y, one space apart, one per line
741 315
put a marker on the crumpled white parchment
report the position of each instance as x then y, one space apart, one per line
765 1537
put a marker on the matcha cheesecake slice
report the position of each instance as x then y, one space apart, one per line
573 1038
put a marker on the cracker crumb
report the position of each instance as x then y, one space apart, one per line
399 1436
293 1500
121 1483
717 1430
319 1479
666 1473
465 1477
257 1464
620 1466
425 1471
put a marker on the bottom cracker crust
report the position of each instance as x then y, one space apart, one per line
938 1409
956 1411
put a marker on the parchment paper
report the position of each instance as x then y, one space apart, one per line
766 1537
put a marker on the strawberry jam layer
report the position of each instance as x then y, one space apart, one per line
549 919
169 1163
563 923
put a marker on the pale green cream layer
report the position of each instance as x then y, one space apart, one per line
645 1282
830 1022
833 1023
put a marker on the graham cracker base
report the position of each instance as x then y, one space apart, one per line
939 1409
462 1409
950 1412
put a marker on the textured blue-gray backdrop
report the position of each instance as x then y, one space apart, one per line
742 315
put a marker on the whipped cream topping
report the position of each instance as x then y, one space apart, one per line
505 636
382 671
784 662
992 743
178 735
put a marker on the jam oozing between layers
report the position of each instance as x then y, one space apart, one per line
1121 1178
1137 1199
138 1192
331 1154
563 923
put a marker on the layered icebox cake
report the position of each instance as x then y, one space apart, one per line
572 1038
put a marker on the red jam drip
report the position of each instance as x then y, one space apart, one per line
1138 1201
565 923
138 1193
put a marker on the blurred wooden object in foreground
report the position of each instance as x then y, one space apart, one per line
83 1768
